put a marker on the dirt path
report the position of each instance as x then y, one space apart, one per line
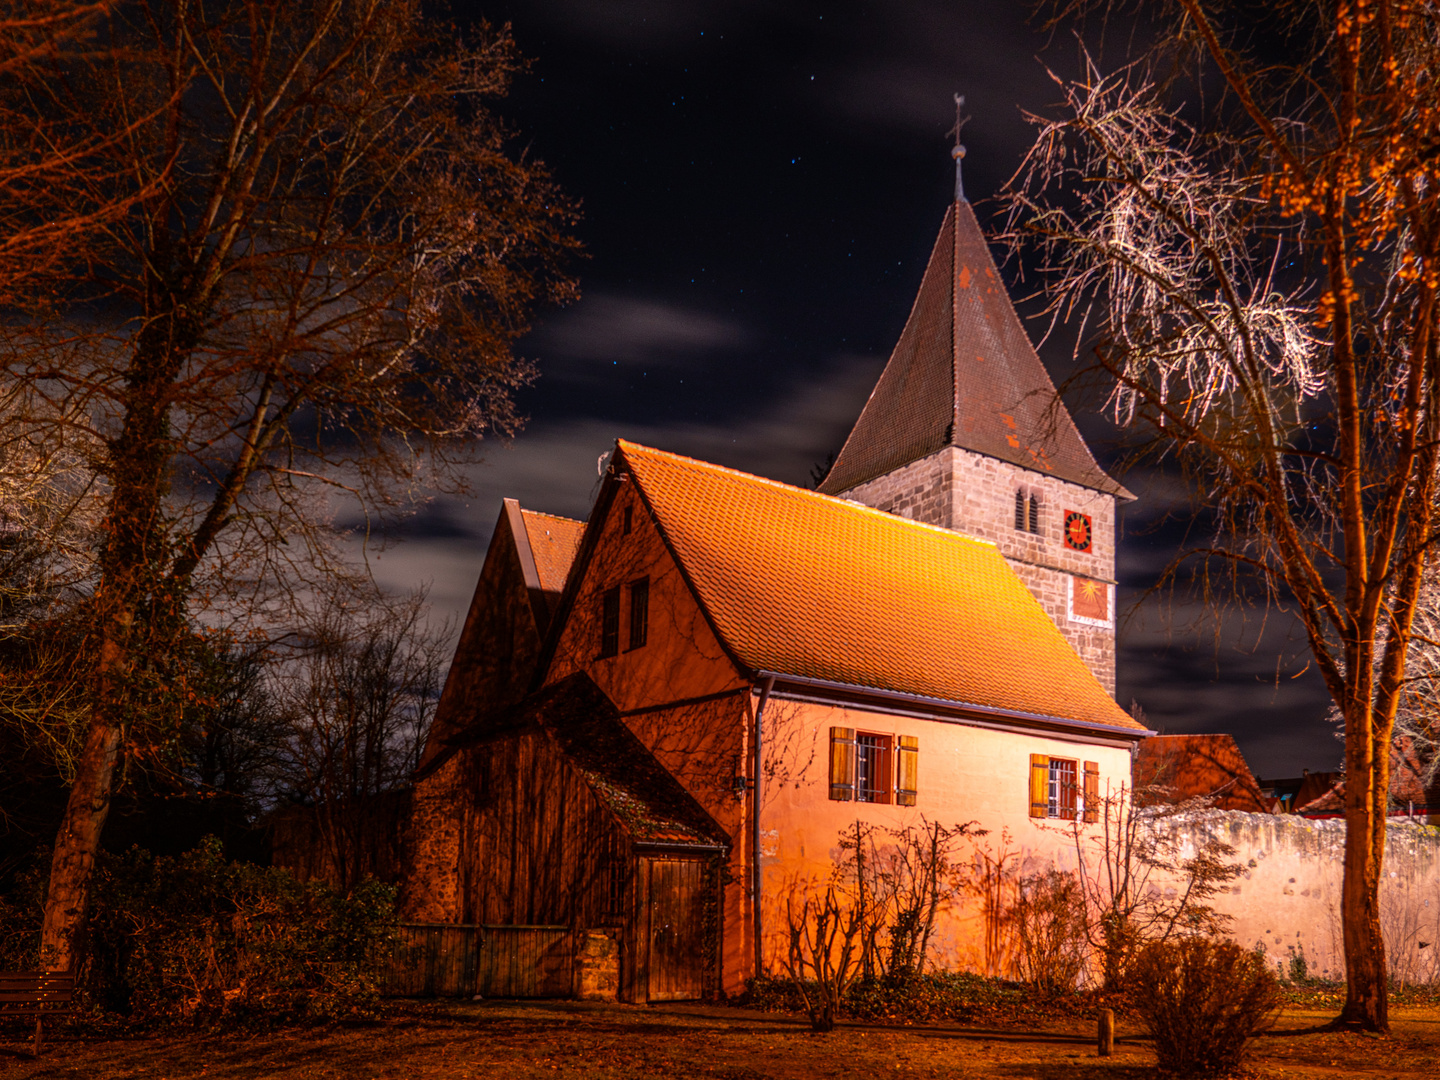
616 1042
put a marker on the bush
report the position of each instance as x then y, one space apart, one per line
1202 999
934 997
194 938
1049 920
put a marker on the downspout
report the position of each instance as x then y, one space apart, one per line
755 885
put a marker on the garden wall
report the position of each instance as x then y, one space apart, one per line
1287 900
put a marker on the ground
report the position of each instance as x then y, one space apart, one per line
496 1039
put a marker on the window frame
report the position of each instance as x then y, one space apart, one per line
639 613
874 772
610 622
1062 794
1048 789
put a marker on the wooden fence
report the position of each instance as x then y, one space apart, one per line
444 960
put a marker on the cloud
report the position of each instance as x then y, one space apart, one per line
552 467
609 329
1239 670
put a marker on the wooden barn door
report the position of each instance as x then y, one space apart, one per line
677 908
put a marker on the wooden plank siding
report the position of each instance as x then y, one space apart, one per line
539 848
527 962
437 960
432 960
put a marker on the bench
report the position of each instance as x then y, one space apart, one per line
41 994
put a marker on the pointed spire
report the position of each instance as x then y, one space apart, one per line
964 374
958 153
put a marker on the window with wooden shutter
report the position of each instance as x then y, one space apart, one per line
842 764
907 770
1039 785
1092 791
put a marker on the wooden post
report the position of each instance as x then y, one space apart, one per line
1107 1032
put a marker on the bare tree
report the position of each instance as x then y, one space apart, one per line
1249 214
49 167
326 252
356 701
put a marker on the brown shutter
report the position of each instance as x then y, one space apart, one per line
842 764
907 770
1039 785
1092 791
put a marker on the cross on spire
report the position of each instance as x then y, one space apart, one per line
958 153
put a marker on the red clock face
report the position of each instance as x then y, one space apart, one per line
1077 530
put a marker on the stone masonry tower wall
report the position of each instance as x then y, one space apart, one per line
974 494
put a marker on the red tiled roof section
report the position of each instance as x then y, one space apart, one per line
554 542
965 374
1198 766
803 584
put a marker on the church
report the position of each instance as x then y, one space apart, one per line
659 720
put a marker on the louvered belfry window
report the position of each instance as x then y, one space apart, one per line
1027 512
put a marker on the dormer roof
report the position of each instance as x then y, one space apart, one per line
964 374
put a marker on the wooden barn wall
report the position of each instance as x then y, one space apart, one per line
429 960
537 848
499 645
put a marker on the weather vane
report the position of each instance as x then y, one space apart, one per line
958 153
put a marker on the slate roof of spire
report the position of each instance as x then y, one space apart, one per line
965 374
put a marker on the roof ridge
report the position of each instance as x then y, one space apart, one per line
853 504
552 517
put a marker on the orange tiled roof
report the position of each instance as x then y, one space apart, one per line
1203 766
554 542
804 584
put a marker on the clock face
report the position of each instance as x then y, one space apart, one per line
1077 530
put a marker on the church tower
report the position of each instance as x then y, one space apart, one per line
965 430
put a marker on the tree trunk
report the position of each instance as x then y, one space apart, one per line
133 548
78 840
1366 999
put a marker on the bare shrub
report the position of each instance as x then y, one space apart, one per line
1144 880
1049 923
1202 999
822 959
875 919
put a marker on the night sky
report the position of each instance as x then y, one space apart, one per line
761 185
